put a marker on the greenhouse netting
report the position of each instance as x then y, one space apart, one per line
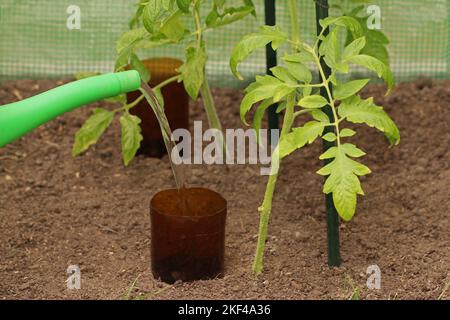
35 41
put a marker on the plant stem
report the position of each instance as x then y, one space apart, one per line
295 29
210 108
266 208
208 100
167 82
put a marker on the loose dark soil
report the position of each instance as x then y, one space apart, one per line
56 211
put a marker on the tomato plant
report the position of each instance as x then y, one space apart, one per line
292 86
158 23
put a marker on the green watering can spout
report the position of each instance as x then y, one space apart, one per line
19 118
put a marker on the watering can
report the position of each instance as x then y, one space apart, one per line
19 118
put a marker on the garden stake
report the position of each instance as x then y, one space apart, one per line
334 257
271 60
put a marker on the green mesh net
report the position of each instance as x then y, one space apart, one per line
36 43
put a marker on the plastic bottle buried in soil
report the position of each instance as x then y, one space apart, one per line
188 244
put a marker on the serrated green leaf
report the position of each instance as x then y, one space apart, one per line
352 151
357 110
264 88
251 42
343 183
313 102
131 137
375 65
299 137
92 130
345 90
329 154
155 12
129 38
173 27
192 71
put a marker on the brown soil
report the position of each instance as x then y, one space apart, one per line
91 211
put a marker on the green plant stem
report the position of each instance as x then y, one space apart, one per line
331 100
205 90
295 29
210 108
266 208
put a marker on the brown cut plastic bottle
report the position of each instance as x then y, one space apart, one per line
187 244
176 106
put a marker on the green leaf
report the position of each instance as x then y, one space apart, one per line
137 65
357 110
251 42
375 65
349 23
329 49
134 22
192 71
352 151
283 74
92 130
129 38
343 183
320 116
302 57
329 154
330 137
184 5
354 48
155 12
173 27
131 137
299 137
345 90
313 102
299 71
229 16
346 133
264 88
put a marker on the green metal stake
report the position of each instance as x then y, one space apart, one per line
271 60
334 257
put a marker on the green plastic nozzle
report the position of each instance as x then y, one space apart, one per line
19 118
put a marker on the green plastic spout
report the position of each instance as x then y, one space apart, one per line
19 118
